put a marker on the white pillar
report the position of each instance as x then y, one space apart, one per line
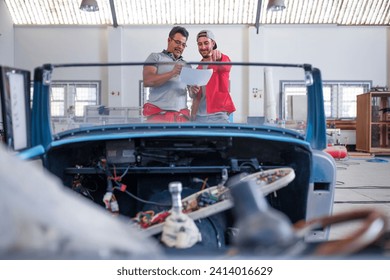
269 96
114 54
256 76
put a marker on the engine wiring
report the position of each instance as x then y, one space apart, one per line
80 188
140 199
114 178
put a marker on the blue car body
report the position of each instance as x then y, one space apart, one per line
159 153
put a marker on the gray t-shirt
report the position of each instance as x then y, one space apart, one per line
202 110
173 94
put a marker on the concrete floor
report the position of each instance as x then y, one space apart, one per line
362 182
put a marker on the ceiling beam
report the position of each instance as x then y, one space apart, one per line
257 22
113 14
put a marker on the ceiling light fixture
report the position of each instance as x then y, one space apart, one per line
276 5
89 6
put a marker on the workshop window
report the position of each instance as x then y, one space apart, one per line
70 98
340 98
85 95
57 101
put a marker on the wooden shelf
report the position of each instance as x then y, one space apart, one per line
373 123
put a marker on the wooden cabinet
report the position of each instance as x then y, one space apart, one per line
373 123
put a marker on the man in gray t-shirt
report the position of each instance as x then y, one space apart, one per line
168 95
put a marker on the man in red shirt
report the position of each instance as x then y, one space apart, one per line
212 103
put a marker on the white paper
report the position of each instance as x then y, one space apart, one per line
195 77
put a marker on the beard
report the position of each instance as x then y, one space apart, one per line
177 53
206 55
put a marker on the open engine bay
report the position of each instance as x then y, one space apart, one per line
136 173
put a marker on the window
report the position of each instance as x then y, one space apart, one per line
339 97
57 100
70 98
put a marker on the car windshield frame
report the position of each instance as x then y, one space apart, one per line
313 131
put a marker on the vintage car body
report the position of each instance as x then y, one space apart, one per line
144 158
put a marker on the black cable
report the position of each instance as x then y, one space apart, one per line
341 163
362 202
347 164
364 187
142 200
341 168
251 164
353 163
219 243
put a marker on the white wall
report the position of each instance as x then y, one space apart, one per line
6 37
35 46
341 53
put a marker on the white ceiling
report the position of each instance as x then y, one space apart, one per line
171 12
